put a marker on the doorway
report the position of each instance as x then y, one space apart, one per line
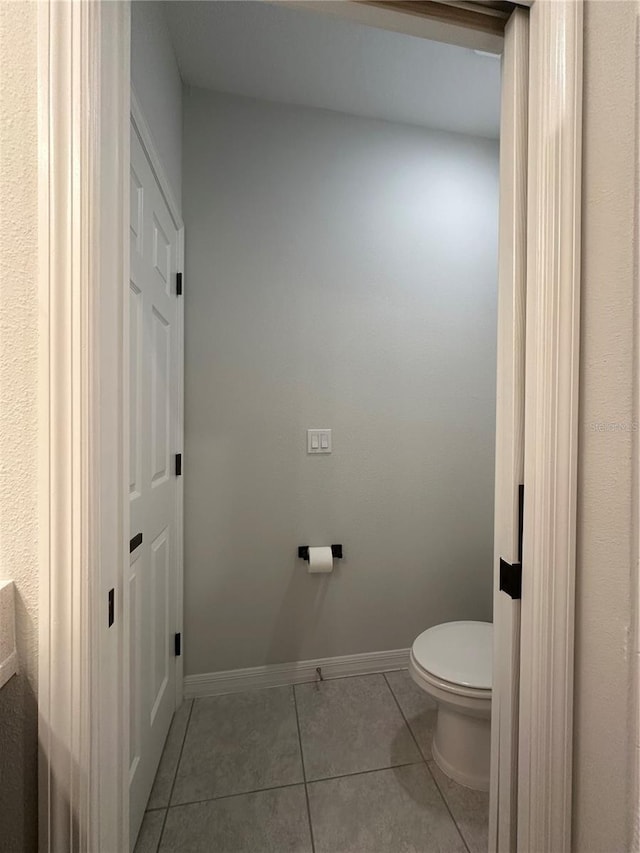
552 26
304 224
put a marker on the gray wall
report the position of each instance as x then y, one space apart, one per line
156 81
19 413
605 739
341 273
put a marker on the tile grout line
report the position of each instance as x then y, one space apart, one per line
426 764
304 772
444 799
406 722
366 772
237 794
290 785
175 775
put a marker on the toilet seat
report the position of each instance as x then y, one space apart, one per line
430 682
456 656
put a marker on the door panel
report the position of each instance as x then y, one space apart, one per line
153 493
160 396
159 621
135 211
161 253
135 387
135 721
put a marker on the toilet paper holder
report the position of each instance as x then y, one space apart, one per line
303 552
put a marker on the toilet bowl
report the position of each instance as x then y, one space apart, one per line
452 663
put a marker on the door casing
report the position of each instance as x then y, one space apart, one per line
84 113
510 416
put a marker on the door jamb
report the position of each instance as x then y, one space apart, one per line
509 438
84 85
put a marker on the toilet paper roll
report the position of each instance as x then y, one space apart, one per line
320 559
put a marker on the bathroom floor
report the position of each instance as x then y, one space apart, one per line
341 766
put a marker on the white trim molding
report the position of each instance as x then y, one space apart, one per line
510 387
551 427
281 674
64 700
83 85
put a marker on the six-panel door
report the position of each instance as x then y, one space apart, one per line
153 402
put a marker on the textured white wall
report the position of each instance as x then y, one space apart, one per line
156 81
340 272
605 748
19 416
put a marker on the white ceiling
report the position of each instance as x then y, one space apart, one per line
298 56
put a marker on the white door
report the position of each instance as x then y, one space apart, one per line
153 492
509 430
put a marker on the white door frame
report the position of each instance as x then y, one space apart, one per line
545 758
83 127
84 87
510 416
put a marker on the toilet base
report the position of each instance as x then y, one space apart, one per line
462 747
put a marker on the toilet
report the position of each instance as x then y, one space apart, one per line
452 662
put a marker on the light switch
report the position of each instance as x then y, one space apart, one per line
318 441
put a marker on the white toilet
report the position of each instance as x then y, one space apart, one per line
452 663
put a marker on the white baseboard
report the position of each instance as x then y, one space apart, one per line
280 674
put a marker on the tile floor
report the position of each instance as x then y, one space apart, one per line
341 766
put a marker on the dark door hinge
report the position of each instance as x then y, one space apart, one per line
177 645
511 573
135 542
111 608
178 464
179 284
511 578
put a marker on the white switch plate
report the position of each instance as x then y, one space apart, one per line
318 441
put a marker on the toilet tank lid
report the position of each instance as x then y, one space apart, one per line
459 652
